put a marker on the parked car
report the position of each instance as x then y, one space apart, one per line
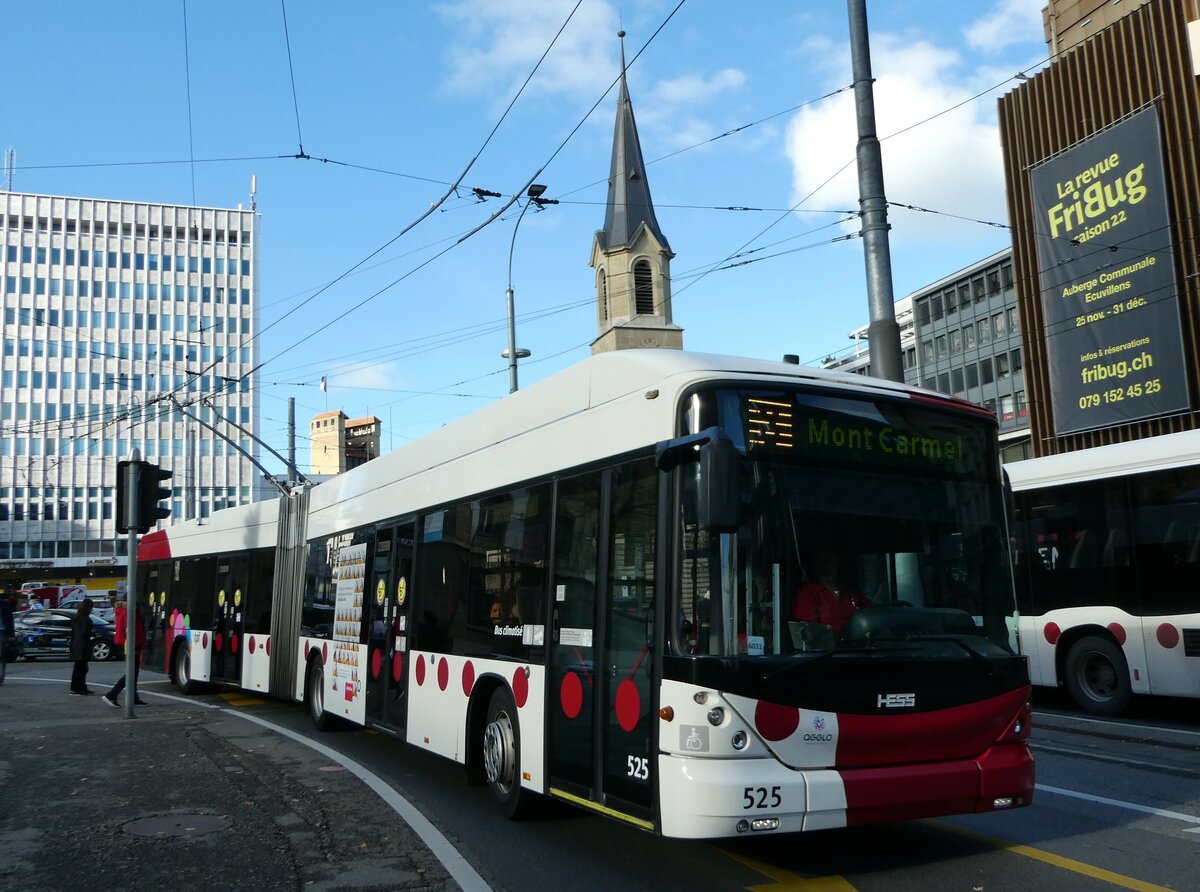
47 633
102 606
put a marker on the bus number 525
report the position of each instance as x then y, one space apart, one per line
757 797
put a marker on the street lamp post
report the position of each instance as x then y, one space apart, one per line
536 190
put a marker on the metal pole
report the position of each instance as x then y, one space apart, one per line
291 443
133 509
883 332
512 321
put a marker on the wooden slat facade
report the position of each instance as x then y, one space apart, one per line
1140 60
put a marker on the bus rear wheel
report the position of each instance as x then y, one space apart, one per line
502 754
183 668
1097 676
321 719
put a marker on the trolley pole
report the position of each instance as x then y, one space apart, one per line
883 332
132 488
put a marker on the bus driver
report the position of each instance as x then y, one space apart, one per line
826 598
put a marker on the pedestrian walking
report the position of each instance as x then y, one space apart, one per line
8 633
81 646
139 643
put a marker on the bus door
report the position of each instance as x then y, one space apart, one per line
601 692
387 627
155 582
228 620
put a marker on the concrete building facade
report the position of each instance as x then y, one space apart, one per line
338 443
127 325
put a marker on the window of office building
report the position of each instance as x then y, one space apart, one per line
956 380
972 375
985 371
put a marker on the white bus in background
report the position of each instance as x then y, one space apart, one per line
1107 544
587 591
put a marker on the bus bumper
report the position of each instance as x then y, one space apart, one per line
712 798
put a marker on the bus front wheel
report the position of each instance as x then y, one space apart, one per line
502 754
1097 676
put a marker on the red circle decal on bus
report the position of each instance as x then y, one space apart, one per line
520 687
443 673
268 646
629 705
1167 635
468 677
397 666
1052 631
376 662
325 653
218 642
571 695
250 644
204 640
420 671
233 643
774 721
1118 632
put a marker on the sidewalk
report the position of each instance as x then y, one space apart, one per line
181 797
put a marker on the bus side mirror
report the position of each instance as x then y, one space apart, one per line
720 497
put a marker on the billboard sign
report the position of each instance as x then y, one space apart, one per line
1107 277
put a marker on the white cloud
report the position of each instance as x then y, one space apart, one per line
501 40
952 163
1007 23
693 88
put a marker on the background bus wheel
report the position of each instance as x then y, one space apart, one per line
1098 676
183 669
321 719
502 754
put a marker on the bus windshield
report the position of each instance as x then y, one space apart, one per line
864 524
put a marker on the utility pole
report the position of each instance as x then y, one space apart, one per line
291 462
132 490
883 332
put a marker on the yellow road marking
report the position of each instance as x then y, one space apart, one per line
783 880
1089 870
241 700
602 809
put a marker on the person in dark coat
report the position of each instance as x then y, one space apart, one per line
8 632
81 646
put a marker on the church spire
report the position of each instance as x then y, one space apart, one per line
629 204
630 254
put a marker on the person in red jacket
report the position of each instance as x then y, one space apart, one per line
827 598
139 644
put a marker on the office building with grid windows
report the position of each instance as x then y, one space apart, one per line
126 325
962 335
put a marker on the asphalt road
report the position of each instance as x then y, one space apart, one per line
1118 806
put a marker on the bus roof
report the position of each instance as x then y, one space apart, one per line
606 405
1115 460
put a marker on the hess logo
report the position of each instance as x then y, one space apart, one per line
896 701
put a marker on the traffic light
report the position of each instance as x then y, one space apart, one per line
151 491
123 499
148 491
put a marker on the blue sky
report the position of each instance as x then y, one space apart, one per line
413 90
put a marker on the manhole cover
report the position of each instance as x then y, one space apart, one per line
177 825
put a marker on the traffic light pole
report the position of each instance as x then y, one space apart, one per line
132 484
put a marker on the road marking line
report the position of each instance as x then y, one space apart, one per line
1117 803
456 865
1125 725
784 880
1090 870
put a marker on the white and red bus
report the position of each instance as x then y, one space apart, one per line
586 591
1107 544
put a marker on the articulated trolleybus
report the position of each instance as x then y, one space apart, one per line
1108 567
589 591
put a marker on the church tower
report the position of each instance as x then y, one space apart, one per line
630 254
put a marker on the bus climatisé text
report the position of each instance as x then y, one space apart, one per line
586 591
1107 557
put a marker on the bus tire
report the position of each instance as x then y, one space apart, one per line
1097 676
314 696
183 668
502 755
